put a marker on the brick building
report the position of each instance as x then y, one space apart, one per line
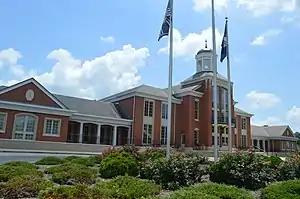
29 112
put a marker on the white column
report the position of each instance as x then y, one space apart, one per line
115 136
98 133
129 135
81 132
264 145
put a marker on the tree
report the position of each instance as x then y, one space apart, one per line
297 135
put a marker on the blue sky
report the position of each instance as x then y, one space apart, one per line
94 48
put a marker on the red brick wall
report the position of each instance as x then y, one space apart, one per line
157 122
40 126
138 121
239 131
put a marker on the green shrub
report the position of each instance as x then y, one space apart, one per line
242 169
125 187
89 162
274 161
152 154
211 191
173 173
95 159
22 164
118 163
286 189
289 169
72 174
131 149
72 157
24 187
13 169
78 191
50 160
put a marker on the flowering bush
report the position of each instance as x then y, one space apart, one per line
289 169
243 169
175 172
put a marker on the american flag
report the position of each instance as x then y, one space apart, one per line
165 28
224 44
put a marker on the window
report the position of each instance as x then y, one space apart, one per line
225 98
182 138
147 134
52 127
206 63
244 123
163 135
24 127
148 108
244 141
200 64
2 122
215 97
196 102
196 140
164 111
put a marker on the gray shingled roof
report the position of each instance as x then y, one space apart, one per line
89 107
219 76
2 87
268 131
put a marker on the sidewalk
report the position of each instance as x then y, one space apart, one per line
47 152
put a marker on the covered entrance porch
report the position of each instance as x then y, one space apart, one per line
91 133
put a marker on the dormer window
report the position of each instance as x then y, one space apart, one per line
206 63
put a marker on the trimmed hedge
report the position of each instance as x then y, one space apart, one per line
125 187
11 170
50 160
118 164
211 191
67 192
286 189
24 187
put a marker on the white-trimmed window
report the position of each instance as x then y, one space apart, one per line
244 123
196 137
25 126
164 111
163 135
147 134
52 127
148 108
244 141
3 117
196 104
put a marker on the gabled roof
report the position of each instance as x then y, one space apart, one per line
89 107
4 89
269 131
241 112
143 90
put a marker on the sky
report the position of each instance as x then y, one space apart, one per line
95 48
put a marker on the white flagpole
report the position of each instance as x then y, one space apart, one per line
229 92
169 126
215 68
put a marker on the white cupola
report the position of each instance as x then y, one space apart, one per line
204 60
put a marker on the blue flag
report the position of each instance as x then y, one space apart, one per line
165 28
224 44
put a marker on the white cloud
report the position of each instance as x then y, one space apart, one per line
264 37
264 7
109 39
291 20
189 45
9 56
267 121
293 116
200 5
260 100
103 75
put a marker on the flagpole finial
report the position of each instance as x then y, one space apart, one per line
226 18
205 43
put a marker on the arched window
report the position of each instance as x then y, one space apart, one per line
25 127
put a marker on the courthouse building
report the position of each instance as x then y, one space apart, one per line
29 112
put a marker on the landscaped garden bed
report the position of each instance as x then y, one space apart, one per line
128 173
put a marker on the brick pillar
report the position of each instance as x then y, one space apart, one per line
239 131
248 126
157 123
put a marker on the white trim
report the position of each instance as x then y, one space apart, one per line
152 134
153 108
242 114
100 119
25 124
192 93
59 127
166 111
38 85
34 108
198 111
166 134
4 122
131 93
